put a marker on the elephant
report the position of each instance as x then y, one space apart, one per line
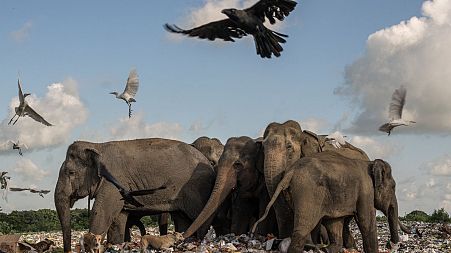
185 173
211 148
281 148
284 144
329 187
237 178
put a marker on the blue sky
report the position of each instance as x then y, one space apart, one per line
189 88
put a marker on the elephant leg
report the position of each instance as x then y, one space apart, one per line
163 223
306 218
117 231
141 227
348 239
284 217
316 234
181 222
366 221
335 230
107 206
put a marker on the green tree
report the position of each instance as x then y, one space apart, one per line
417 215
440 216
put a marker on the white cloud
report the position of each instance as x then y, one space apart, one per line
136 127
61 106
315 125
412 53
374 148
431 183
23 33
28 172
441 166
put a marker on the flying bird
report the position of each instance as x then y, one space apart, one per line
247 22
4 180
19 146
40 192
398 100
24 109
336 139
131 88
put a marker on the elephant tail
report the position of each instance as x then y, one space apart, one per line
283 184
404 228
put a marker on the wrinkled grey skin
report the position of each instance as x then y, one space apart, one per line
237 174
281 148
283 145
137 165
211 148
331 187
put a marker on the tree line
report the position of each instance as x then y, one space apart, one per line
46 220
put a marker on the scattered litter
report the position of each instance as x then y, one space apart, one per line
434 239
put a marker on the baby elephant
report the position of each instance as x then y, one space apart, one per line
328 187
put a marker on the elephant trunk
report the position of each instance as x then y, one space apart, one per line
393 221
274 166
224 184
62 204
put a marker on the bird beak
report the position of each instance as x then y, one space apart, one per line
226 12
112 93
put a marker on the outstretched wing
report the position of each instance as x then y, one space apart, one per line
223 29
398 100
272 9
39 191
34 115
132 83
21 97
16 189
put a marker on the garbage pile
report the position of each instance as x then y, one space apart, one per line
427 238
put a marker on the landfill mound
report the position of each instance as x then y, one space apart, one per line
431 238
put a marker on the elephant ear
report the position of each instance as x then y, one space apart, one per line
260 155
309 136
378 173
94 157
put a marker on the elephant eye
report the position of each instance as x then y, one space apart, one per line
238 165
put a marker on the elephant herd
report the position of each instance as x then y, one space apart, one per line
304 187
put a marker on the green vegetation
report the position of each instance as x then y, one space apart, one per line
40 220
438 216
46 220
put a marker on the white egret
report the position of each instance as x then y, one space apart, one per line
336 139
24 109
398 100
19 146
131 88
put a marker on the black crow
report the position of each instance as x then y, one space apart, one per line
248 21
